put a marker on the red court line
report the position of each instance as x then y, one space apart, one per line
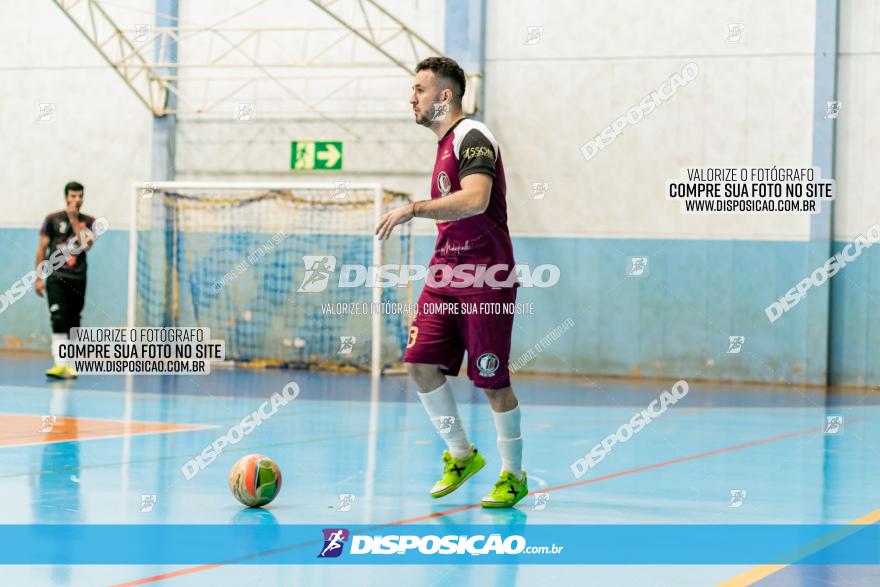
463 508
164 576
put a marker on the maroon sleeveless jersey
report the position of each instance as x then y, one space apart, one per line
478 246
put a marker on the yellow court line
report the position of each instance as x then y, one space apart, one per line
755 574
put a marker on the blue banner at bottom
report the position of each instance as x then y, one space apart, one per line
436 544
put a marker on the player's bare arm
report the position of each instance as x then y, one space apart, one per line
470 200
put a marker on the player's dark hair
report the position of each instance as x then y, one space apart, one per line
446 68
73 186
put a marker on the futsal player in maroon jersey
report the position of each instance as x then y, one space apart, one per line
472 264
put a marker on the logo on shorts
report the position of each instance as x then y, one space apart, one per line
444 184
488 363
334 538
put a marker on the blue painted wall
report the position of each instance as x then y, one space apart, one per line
855 309
674 321
25 324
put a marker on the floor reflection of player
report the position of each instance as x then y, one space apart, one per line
55 492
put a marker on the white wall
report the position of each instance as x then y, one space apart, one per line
100 135
750 105
858 125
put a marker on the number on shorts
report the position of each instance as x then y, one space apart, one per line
413 334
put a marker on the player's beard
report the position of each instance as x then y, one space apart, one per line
424 120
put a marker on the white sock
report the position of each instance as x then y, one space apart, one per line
441 408
57 340
510 441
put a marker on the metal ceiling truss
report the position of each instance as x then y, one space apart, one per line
220 63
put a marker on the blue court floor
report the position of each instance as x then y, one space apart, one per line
771 446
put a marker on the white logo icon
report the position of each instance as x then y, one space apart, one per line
637 266
737 497
318 271
735 344
346 344
832 109
538 190
541 500
534 35
246 111
147 503
441 109
446 424
334 543
46 111
346 500
734 32
141 33
47 423
342 188
147 189
833 424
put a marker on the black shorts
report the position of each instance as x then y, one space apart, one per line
66 298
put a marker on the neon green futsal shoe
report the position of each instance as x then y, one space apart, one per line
457 471
57 371
508 491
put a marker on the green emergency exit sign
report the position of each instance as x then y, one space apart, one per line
311 155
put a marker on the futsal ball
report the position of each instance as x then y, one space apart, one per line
255 480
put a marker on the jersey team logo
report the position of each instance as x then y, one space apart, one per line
488 363
62 227
444 184
334 539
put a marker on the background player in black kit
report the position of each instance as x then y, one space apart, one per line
65 287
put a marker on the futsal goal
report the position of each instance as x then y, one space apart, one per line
261 265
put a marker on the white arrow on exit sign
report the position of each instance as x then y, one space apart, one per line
330 155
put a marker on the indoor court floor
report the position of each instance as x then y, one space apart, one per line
117 439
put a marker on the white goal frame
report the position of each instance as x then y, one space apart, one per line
378 194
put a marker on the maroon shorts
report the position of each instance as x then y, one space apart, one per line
447 326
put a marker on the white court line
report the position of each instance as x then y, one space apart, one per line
59 441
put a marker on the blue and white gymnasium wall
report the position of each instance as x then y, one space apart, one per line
708 277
